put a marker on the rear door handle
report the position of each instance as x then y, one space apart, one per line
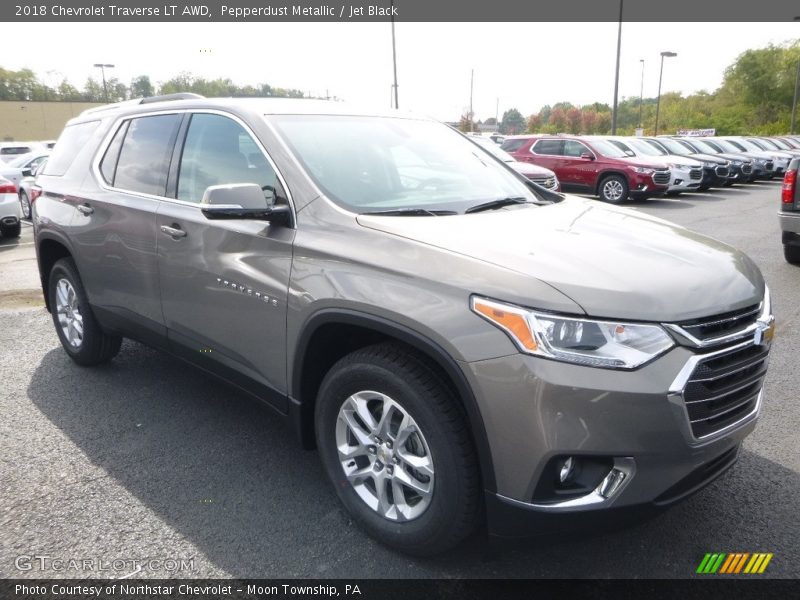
174 232
85 209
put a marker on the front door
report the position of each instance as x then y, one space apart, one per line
224 283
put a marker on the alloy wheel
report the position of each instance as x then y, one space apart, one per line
69 314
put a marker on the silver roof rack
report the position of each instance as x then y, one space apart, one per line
148 100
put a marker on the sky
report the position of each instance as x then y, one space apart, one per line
519 65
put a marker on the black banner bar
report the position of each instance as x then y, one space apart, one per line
402 10
707 588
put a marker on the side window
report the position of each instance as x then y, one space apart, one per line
551 147
108 166
143 162
574 149
217 151
72 140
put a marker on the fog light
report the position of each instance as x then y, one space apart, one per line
609 486
567 470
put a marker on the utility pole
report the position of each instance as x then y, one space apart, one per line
103 67
665 54
641 93
497 115
394 57
471 81
616 75
794 103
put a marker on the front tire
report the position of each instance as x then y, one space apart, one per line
80 333
613 189
395 446
791 254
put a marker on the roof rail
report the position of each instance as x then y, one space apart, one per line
166 97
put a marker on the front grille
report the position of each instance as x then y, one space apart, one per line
747 169
547 182
724 388
769 165
723 324
721 171
661 177
696 174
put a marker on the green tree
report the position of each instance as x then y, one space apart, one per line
141 87
513 122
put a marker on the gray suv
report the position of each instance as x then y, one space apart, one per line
461 345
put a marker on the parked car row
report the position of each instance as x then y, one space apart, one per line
11 150
617 168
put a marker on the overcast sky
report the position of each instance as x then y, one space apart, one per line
524 65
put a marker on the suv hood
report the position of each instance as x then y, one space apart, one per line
644 161
613 262
530 170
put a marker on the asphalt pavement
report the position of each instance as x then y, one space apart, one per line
148 460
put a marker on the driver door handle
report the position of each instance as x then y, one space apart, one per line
173 232
85 209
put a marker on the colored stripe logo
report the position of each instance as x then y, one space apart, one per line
734 563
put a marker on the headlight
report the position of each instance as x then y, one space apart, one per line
737 163
708 165
643 170
606 344
760 161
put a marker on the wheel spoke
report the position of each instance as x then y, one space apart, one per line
359 403
362 437
419 463
384 506
422 488
61 294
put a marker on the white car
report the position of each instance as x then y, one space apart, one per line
25 190
686 174
22 166
10 212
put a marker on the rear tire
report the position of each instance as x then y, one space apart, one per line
80 333
613 189
14 231
791 254
426 444
25 204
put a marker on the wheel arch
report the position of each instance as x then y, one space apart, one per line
601 177
49 249
314 356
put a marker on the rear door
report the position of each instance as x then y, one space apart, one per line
114 227
583 171
224 283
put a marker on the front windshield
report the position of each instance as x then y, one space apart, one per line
373 164
748 145
671 145
642 147
779 144
704 146
607 149
20 161
767 144
726 146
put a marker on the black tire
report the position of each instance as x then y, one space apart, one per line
454 505
96 346
673 194
25 204
12 231
791 254
613 189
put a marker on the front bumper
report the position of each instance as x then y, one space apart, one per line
537 410
685 179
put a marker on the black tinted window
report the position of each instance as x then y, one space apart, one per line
108 166
218 151
71 142
144 158
513 145
548 147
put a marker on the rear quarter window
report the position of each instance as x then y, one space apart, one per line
513 145
71 142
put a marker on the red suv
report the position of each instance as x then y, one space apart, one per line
592 166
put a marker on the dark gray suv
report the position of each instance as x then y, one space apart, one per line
460 344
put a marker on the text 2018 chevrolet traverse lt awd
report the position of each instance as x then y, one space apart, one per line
459 344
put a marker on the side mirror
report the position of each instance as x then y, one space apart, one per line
587 156
242 201
27 172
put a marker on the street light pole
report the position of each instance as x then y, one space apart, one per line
664 55
394 57
471 82
794 102
103 67
616 74
641 93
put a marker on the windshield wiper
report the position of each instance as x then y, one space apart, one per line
411 212
500 203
